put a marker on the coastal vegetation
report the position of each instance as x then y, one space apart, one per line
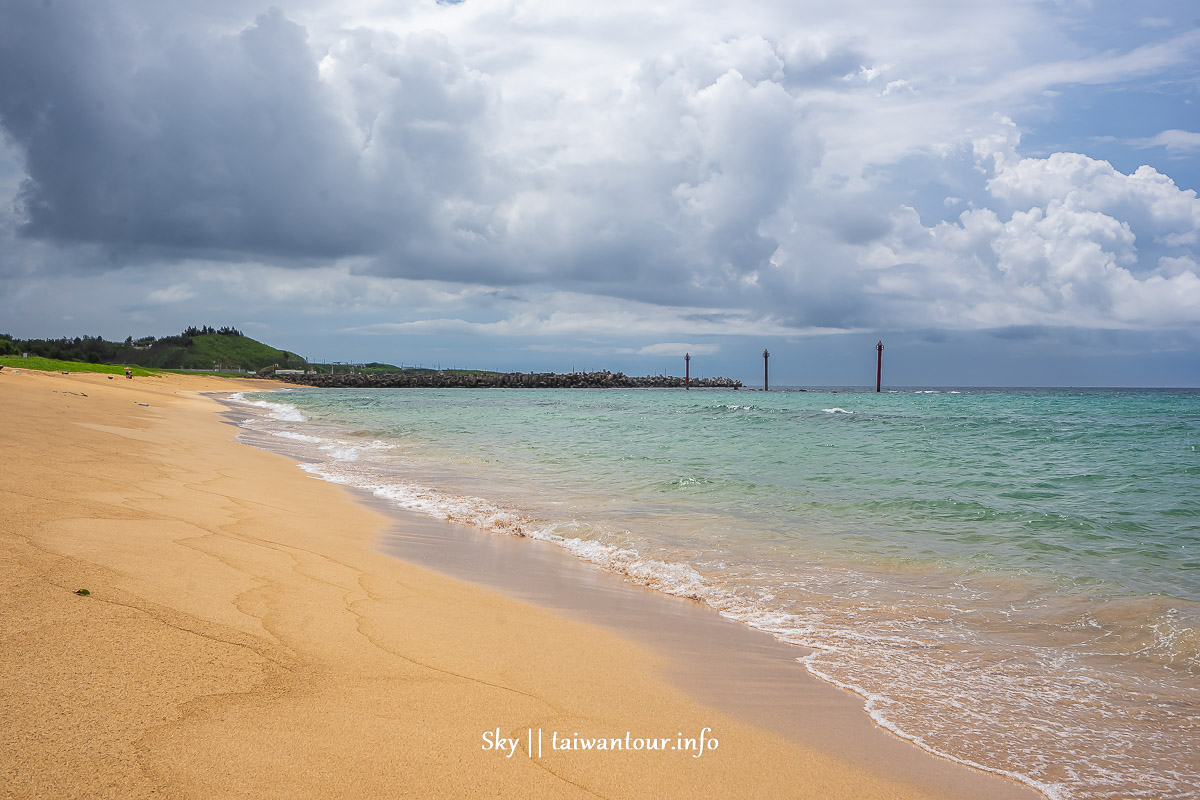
196 348
204 349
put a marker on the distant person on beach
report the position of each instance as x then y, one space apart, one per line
129 373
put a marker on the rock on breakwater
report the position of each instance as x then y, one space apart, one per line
503 380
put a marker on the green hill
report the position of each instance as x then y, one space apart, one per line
196 348
213 351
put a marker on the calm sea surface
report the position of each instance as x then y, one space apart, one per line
1011 578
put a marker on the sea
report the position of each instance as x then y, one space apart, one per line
1009 578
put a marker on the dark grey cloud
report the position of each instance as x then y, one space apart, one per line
234 138
203 141
1020 332
180 143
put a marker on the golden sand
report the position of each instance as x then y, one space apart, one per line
242 638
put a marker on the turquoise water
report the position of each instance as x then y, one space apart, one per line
1010 578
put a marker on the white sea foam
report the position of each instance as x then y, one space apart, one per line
338 449
836 410
671 578
351 451
297 437
284 412
872 703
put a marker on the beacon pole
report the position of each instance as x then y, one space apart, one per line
879 366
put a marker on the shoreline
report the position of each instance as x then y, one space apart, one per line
243 635
725 664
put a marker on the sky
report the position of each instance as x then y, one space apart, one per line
1004 193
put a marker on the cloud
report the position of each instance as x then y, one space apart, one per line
1162 212
233 143
1081 244
172 294
1175 141
535 169
590 316
678 349
1107 67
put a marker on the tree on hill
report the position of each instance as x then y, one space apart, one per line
206 330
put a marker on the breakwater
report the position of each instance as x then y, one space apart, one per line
503 380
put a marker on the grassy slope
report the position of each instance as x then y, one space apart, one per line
211 349
54 365
237 351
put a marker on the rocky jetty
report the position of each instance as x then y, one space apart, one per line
502 380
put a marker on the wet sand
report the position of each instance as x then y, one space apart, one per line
244 636
746 673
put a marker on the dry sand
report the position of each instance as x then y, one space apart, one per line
243 638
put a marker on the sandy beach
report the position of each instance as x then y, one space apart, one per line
244 636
